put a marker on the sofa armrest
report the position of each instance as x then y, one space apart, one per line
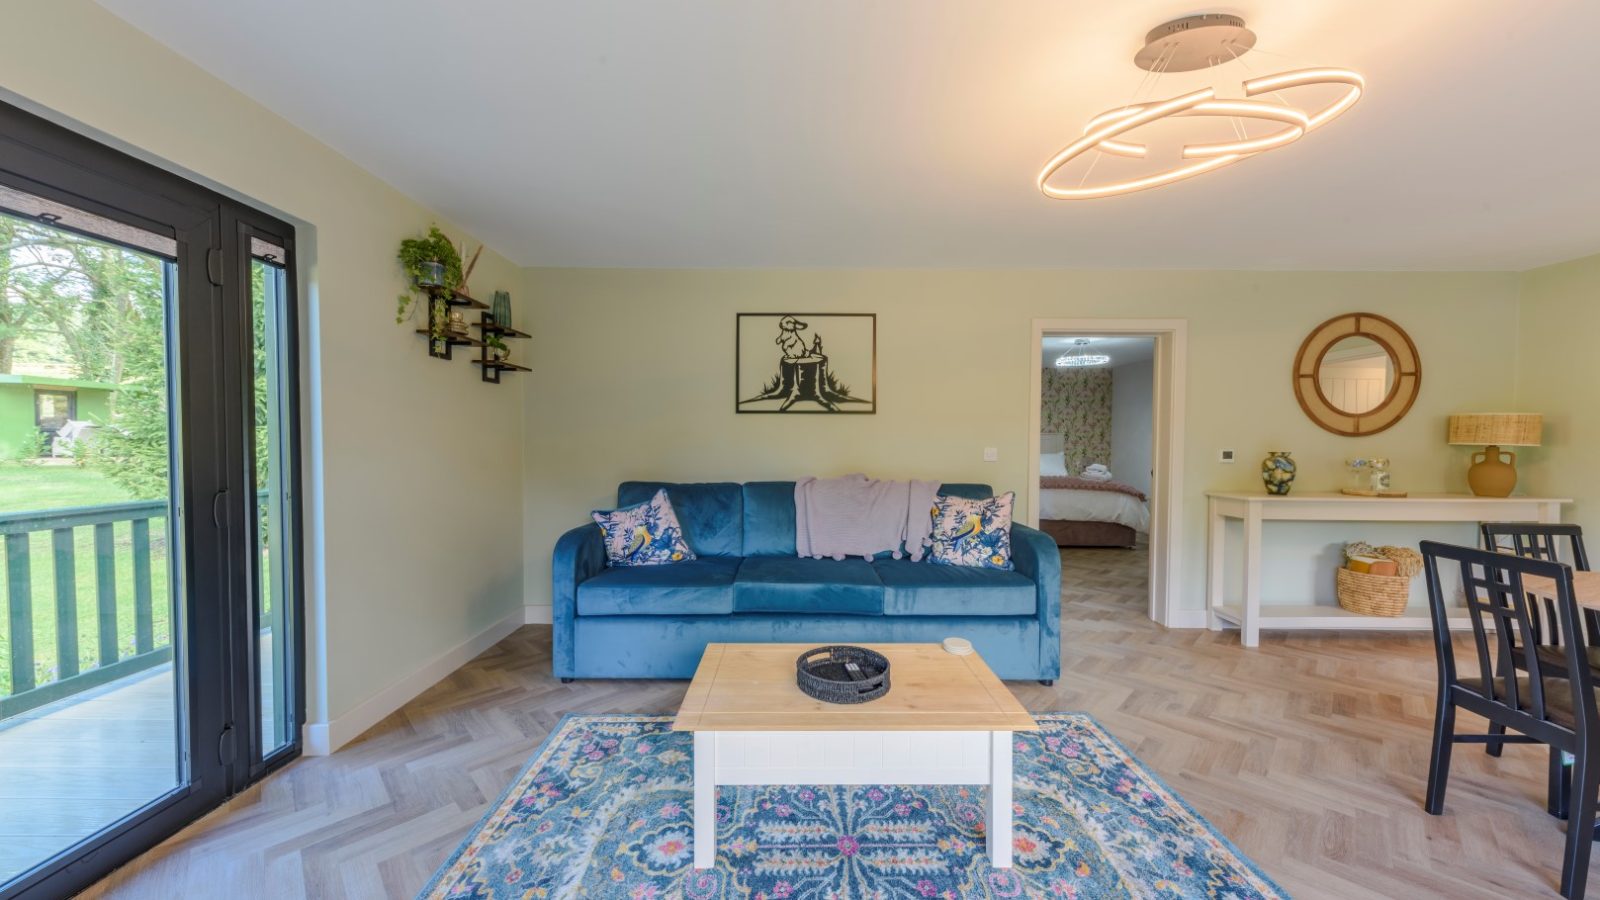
1035 555
580 555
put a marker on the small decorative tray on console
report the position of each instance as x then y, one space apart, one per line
842 674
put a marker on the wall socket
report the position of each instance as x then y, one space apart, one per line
1225 456
991 454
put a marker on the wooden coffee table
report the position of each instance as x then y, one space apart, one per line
946 720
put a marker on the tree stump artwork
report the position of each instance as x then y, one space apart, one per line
803 374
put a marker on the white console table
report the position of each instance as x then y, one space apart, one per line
1253 509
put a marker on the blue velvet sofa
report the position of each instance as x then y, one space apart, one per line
748 586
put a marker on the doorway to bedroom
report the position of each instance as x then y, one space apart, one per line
1104 463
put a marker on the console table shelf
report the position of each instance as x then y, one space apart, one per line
1253 509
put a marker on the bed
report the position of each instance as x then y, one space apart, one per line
1081 513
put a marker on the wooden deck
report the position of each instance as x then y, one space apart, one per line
71 768
75 766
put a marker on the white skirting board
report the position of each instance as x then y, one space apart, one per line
1187 618
323 738
541 615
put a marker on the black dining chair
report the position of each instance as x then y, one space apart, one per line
1545 541
1526 699
1542 541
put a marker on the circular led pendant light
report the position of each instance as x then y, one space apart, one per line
1186 45
1080 357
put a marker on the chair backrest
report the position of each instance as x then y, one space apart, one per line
1543 541
1499 608
1540 541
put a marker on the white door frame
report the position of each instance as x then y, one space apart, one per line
1166 513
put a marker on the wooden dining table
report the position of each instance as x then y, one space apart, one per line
1585 588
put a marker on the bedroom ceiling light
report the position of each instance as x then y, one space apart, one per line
1081 357
1186 45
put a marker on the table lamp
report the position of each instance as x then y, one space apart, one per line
1494 471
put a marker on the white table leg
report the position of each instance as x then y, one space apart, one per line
1214 571
1250 628
1550 513
997 826
705 799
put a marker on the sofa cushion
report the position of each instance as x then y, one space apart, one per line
769 518
793 585
924 589
972 532
712 515
646 534
700 587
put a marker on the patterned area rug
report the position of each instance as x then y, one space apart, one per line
605 810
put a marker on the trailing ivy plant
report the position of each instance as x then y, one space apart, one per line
415 255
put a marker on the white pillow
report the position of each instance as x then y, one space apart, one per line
1053 463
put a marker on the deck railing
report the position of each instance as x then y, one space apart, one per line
74 674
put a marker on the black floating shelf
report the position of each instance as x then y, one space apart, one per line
507 332
457 298
454 298
493 367
457 340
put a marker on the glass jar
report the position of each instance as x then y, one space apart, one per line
1367 474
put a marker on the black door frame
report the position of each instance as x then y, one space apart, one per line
212 489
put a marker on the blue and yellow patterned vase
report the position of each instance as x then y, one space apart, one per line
1277 472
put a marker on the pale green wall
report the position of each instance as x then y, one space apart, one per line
1558 374
414 528
17 431
19 434
93 405
634 368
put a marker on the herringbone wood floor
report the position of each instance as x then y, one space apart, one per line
1309 753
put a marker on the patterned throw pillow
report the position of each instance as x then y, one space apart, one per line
645 534
973 532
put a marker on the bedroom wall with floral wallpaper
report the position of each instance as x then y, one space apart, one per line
1077 403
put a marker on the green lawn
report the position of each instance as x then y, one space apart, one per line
30 488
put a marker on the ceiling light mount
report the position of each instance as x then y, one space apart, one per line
1190 44
1194 42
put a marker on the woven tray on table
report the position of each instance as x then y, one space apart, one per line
1372 595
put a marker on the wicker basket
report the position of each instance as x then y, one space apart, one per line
1373 595
842 674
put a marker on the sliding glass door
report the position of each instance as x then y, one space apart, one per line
272 409
91 713
149 619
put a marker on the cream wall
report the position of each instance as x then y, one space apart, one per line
635 375
1558 373
1133 422
413 514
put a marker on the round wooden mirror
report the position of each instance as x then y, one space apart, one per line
1357 374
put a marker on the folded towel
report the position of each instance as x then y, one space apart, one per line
1097 472
860 516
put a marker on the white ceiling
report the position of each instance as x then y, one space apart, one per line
1122 350
908 132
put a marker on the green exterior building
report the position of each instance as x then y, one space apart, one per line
33 403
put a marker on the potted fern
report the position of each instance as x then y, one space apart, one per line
434 267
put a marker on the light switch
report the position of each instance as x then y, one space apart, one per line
1225 456
991 454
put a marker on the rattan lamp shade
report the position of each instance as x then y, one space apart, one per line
1494 471
1499 429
